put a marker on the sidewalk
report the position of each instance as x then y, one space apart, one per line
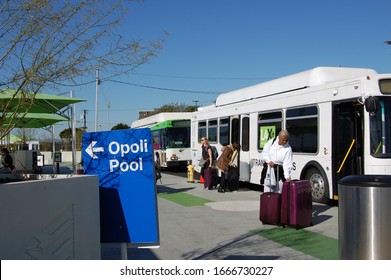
64 168
204 224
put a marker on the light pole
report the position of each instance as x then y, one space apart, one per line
73 120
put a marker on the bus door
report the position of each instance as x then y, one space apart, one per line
162 148
348 149
240 131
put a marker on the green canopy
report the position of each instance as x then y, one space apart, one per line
32 120
42 103
42 109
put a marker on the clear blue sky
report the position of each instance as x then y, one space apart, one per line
216 46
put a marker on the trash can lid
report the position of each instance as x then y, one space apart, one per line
367 180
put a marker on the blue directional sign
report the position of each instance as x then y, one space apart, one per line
123 160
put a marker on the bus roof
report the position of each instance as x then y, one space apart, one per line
313 77
161 117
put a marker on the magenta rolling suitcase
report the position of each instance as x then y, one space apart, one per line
210 177
296 204
270 208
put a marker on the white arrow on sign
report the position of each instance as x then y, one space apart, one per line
91 150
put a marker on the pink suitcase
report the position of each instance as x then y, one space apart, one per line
296 204
270 208
210 177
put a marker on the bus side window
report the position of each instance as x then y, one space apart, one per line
269 124
212 131
224 131
201 130
302 124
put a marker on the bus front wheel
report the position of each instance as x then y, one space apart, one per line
319 185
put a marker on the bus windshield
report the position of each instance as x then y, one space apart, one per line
177 137
380 130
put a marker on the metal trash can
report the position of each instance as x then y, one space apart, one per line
364 217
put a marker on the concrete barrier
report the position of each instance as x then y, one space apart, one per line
55 217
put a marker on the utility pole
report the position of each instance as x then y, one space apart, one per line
84 117
96 98
108 113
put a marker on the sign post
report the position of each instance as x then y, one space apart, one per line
123 160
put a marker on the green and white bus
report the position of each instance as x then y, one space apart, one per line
170 136
338 119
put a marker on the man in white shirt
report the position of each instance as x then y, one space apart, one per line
277 153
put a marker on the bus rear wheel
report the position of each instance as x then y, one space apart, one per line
319 185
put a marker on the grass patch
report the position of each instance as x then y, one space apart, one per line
185 199
314 244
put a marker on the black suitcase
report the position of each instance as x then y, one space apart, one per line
232 178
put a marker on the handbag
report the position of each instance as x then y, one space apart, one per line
201 162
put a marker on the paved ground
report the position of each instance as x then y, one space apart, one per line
200 224
226 226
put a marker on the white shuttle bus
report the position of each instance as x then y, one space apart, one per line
170 136
338 120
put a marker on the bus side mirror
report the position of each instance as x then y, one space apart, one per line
372 105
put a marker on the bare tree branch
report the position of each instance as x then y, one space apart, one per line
45 43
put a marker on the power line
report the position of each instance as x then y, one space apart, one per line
167 89
201 78
170 76
175 77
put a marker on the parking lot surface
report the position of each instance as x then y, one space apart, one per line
201 224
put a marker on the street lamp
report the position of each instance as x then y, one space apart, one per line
387 42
